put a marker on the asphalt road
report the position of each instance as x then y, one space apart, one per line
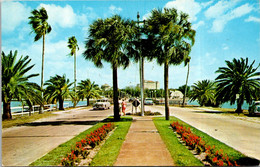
24 144
242 135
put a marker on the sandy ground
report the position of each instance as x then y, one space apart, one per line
241 134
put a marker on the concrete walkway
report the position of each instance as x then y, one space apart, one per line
143 146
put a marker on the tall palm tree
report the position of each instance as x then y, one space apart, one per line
15 84
173 37
106 41
204 92
88 90
57 89
186 62
239 77
40 27
73 46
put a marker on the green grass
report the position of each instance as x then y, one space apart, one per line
108 153
180 154
54 157
170 139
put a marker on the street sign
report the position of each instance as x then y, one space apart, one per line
136 103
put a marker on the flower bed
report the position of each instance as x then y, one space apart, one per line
83 147
194 142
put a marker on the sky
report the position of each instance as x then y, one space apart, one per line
225 29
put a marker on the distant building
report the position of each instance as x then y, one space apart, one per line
105 87
150 84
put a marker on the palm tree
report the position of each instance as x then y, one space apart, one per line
186 62
40 27
88 90
173 37
204 92
57 89
15 83
239 77
73 46
106 41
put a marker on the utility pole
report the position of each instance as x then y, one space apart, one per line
141 63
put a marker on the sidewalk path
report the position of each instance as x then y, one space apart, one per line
143 146
23 145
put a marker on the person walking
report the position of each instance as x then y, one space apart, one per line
123 106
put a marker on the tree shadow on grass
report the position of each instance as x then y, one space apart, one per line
247 161
58 123
122 119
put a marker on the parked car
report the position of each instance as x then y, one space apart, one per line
254 108
148 101
102 104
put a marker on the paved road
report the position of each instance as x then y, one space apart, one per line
25 144
242 135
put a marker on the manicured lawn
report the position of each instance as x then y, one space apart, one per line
180 154
181 157
108 153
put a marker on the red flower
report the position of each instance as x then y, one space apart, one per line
215 159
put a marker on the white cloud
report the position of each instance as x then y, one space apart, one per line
220 8
63 16
206 4
253 19
187 6
115 10
197 25
223 12
13 14
225 47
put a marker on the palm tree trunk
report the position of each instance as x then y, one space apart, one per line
61 103
87 101
75 80
239 105
115 94
185 91
6 111
166 78
43 48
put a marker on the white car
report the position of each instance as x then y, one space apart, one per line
254 109
102 104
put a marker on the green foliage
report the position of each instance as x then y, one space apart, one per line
106 41
182 89
88 90
73 45
57 89
239 77
204 92
15 82
39 23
